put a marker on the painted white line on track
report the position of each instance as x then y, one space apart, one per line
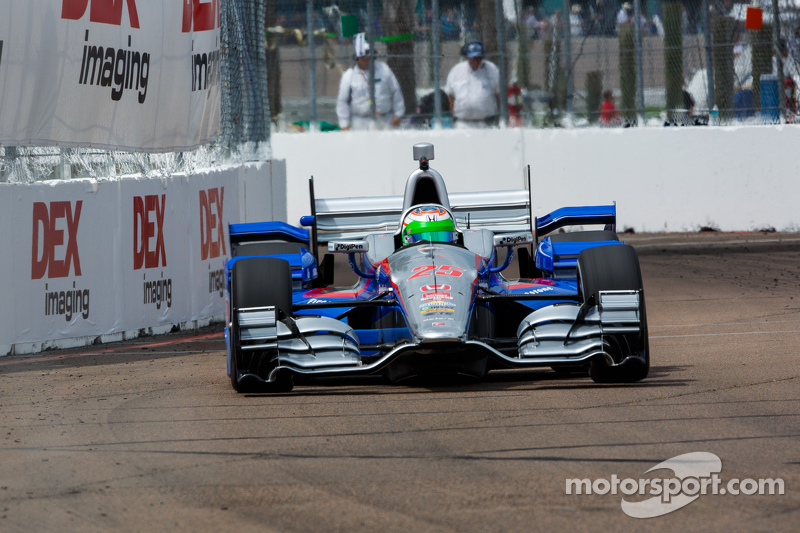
723 324
723 334
654 245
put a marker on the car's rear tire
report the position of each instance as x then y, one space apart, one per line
615 268
260 282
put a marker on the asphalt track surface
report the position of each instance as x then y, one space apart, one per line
149 436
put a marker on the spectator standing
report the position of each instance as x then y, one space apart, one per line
624 15
353 105
473 87
609 116
531 24
602 18
449 27
576 21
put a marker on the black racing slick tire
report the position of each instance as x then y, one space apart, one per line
260 282
615 268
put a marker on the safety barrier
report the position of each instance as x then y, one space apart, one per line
662 179
88 261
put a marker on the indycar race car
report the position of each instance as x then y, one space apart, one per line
431 296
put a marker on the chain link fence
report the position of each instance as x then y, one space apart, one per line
244 121
606 62
682 62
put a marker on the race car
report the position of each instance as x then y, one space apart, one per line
431 295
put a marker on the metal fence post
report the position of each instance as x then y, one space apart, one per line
500 22
776 43
437 53
570 83
371 40
637 25
312 66
709 57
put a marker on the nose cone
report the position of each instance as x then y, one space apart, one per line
439 332
436 284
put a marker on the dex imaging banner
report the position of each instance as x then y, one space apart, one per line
116 74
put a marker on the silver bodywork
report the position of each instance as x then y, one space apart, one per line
435 284
558 331
308 342
438 309
445 292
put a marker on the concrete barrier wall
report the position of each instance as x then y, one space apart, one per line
87 260
663 179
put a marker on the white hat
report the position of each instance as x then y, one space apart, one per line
361 45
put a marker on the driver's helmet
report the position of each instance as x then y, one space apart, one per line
432 223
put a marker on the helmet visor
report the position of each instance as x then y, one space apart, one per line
432 236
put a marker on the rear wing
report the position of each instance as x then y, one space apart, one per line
265 231
497 211
576 216
351 218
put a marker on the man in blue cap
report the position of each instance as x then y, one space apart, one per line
473 87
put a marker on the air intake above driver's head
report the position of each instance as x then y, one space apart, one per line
425 186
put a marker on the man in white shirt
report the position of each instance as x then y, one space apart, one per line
624 15
353 104
532 24
473 87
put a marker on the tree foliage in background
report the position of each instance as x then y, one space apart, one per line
627 70
722 29
673 56
487 22
555 79
273 61
398 16
761 57
523 49
594 94
488 29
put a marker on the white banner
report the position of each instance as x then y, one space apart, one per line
92 258
136 75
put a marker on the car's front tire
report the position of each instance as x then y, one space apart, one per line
616 268
259 282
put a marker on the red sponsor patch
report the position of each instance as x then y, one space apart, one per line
436 296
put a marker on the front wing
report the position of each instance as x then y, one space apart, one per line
266 342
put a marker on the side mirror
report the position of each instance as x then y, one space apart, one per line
512 239
348 247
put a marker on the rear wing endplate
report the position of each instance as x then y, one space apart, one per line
266 231
576 216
